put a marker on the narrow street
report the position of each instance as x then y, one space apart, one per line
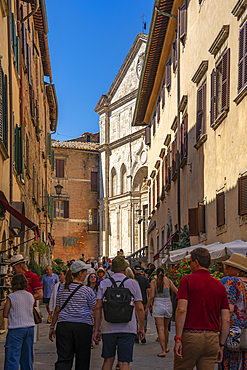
145 355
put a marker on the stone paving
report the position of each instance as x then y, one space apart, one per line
145 355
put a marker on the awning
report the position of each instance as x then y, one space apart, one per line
179 254
156 256
52 241
24 220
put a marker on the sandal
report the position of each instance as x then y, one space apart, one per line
161 355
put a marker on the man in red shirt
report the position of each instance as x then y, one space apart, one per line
202 300
34 284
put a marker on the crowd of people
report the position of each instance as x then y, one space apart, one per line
109 301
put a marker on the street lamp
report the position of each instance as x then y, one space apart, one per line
138 213
58 189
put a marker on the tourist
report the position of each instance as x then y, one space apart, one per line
202 301
74 320
162 307
100 274
145 289
52 302
92 282
121 335
236 285
19 311
109 272
48 281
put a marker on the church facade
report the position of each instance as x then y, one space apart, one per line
123 161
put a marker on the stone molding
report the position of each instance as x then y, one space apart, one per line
219 40
167 140
183 103
124 140
239 8
174 124
201 70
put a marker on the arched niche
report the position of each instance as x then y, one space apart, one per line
139 182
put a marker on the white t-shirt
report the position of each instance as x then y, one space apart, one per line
128 327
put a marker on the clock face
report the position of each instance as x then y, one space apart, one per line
139 65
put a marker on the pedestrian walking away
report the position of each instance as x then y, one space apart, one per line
52 302
19 311
74 320
201 304
119 327
162 307
235 357
48 281
145 290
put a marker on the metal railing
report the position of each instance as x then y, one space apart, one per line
138 256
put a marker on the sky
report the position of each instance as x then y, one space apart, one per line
88 42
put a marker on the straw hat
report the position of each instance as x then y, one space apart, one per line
17 258
238 261
100 269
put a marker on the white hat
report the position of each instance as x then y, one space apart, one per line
78 266
17 258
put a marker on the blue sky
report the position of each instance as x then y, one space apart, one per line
88 42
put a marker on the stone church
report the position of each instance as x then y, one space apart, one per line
123 161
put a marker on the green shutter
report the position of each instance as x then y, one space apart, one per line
48 144
52 160
18 61
16 147
21 160
52 210
1 102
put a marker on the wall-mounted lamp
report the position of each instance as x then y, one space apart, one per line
58 189
138 213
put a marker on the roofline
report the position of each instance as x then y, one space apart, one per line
44 16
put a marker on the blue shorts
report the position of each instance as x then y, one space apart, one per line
123 342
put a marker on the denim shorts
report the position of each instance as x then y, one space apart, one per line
123 342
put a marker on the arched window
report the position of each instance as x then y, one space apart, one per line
123 179
113 182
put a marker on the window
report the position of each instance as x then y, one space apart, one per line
168 74
93 219
3 108
149 200
123 179
163 94
148 135
158 187
242 195
163 180
62 209
158 110
27 155
174 159
201 112
19 163
153 194
154 123
94 181
220 209
34 187
88 138
242 65
220 87
182 22
197 223
168 170
175 53
113 182
184 137
60 167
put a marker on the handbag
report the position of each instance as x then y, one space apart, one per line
37 315
237 337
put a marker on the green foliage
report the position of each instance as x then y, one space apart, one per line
35 268
41 249
58 268
184 239
58 261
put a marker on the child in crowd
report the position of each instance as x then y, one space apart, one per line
19 311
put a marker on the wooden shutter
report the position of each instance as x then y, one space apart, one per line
174 154
166 169
182 139
168 73
201 110
20 152
154 122
5 112
186 135
182 21
220 208
66 209
94 181
242 195
59 167
1 102
225 80
163 177
52 160
158 187
201 218
174 53
149 191
48 144
158 110
213 113
169 165
16 147
153 194
148 135
193 221
242 69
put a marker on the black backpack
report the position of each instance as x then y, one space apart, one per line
117 303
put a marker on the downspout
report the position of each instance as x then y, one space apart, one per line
10 105
36 7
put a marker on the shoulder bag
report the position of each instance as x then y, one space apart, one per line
237 337
70 296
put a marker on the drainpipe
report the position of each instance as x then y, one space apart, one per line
10 104
36 7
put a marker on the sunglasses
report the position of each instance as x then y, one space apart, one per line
93 277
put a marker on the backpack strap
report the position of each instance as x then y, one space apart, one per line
122 283
113 282
70 296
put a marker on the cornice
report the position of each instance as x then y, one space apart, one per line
174 124
162 153
167 140
239 8
152 174
126 139
203 67
183 103
157 164
219 40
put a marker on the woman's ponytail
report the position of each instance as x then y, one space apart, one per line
160 277
68 279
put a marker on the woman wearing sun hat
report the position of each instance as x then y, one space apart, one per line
101 274
74 320
236 287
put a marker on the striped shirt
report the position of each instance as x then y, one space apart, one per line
80 306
